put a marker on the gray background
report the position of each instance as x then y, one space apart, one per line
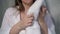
54 6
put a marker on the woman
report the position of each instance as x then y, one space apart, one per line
15 18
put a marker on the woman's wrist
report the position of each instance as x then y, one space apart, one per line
16 28
20 26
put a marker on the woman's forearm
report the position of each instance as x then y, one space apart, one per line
43 26
15 29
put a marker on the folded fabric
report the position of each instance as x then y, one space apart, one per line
11 17
34 9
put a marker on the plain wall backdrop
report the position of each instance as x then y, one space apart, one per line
54 6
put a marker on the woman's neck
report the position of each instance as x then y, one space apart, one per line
26 7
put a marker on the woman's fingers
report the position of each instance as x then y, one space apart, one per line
30 19
31 15
43 11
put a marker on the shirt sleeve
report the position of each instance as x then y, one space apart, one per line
7 22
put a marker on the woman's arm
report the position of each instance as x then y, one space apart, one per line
16 28
42 23
43 26
24 22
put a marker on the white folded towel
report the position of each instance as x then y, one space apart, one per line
34 9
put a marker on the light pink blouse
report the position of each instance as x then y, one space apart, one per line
12 16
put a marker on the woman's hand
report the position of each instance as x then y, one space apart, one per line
26 20
44 28
21 25
43 11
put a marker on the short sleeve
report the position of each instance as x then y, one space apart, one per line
8 20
